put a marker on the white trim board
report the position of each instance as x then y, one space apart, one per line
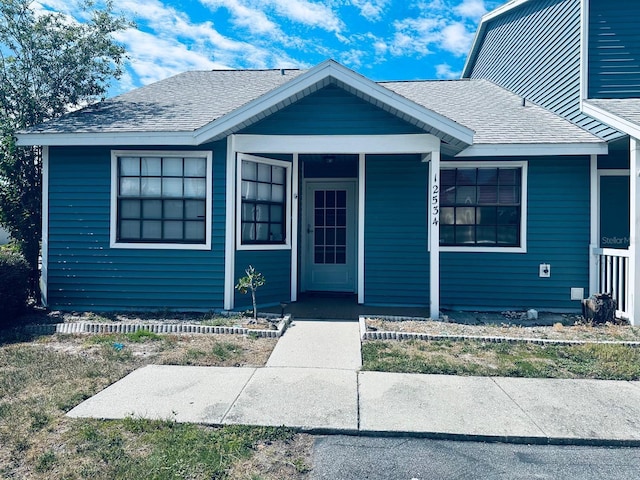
534 149
44 274
338 144
113 223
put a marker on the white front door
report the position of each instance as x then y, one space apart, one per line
329 237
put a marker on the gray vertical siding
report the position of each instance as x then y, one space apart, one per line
84 273
614 49
396 255
558 234
534 51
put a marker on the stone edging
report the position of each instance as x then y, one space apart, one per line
158 328
382 335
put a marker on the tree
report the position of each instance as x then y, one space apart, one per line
49 65
250 283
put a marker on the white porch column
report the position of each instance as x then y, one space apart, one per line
594 226
634 230
361 225
44 274
230 239
434 235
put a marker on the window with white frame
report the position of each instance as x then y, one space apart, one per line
482 206
161 199
264 205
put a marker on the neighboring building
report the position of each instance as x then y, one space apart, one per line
449 194
581 60
4 236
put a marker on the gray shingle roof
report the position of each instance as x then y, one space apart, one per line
495 114
626 108
182 103
191 100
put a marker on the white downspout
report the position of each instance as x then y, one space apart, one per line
230 241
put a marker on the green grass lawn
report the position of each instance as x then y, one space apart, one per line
42 379
596 361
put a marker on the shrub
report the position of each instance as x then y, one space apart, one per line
14 285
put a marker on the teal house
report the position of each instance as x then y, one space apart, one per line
507 189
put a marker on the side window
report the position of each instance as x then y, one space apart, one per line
263 186
161 200
481 206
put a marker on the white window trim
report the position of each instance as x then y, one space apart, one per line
523 206
114 243
287 228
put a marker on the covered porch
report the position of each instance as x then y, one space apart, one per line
615 265
302 189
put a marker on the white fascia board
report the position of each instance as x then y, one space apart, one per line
107 139
611 119
331 69
534 149
338 144
481 30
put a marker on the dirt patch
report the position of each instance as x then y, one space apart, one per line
558 331
277 460
203 350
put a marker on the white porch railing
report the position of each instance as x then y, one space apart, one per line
613 277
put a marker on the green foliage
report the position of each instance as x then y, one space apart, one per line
14 286
49 66
250 283
142 335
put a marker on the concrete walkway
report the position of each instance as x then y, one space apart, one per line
312 381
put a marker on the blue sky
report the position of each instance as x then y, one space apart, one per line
381 39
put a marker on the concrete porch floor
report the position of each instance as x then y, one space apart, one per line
326 306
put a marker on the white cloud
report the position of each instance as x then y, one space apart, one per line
473 9
456 38
153 58
444 71
253 19
353 58
308 13
372 10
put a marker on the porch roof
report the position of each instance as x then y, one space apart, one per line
621 113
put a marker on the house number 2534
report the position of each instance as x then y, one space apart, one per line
435 200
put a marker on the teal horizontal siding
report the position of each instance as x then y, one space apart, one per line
275 265
534 51
614 49
331 111
85 273
396 256
558 234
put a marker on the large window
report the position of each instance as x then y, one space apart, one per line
482 206
161 199
263 200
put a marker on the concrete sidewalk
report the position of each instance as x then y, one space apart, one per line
346 401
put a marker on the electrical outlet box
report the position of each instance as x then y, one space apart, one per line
577 293
545 270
